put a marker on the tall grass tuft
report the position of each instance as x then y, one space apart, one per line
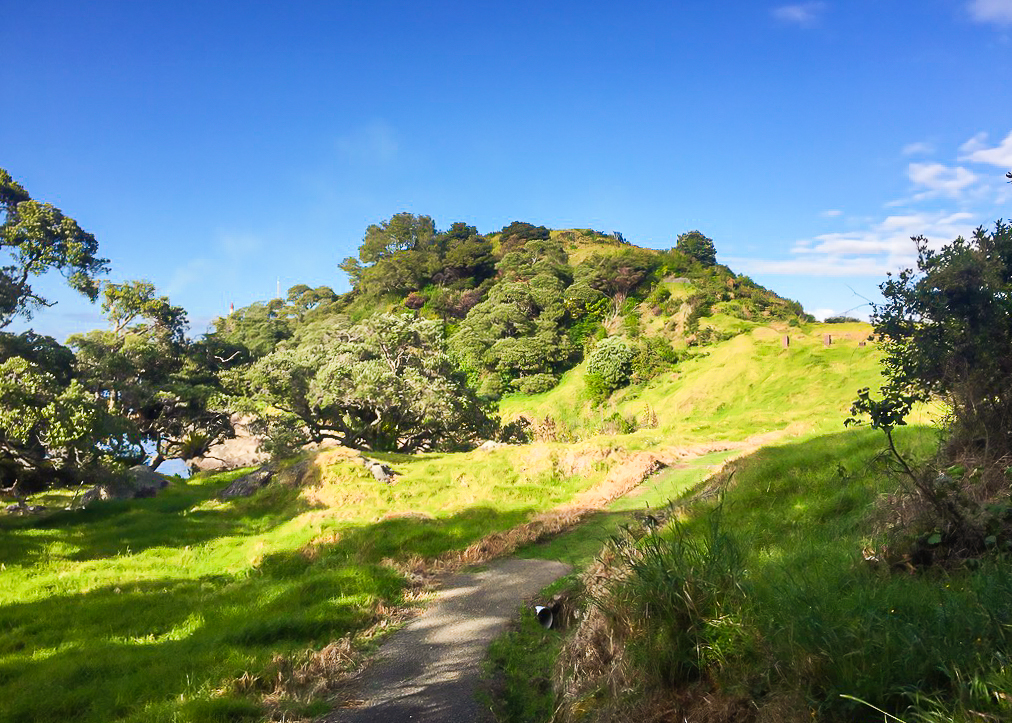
682 595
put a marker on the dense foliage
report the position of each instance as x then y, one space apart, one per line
52 431
697 246
145 369
609 367
36 237
384 384
947 332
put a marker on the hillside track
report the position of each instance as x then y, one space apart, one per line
430 670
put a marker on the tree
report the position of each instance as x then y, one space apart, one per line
146 370
256 329
36 238
609 367
517 234
52 431
697 246
396 256
384 384
618 275
947 333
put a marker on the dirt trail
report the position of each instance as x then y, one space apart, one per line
429 671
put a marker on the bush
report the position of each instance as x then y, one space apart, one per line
653 356
947 332
536 383
609 367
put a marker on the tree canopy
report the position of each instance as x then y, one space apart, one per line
383 384
145 369
37 237
947 331
697 246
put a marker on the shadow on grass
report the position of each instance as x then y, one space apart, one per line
114 527
153 649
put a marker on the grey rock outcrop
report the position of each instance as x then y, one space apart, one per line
380 471
241 451
249 483
140 481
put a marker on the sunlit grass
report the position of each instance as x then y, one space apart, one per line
143 610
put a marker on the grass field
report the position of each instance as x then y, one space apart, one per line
149 610
744 386
181 608
762 607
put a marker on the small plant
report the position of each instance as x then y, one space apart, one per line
617 424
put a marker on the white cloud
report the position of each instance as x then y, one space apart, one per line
803 14
375 142
822 314
920 148
874 246
882 247
975 150
939 179
991 11
832 212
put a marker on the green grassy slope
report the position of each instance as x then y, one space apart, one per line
158 610
763 607
746 385
150 610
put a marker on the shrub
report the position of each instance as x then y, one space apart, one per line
609 367
535 383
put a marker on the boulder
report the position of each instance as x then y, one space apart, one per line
249 483
145 482
380 471
241 451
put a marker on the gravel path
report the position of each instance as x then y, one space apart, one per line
429 671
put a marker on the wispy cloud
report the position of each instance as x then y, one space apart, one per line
998 12
227 254
884 246
936 179
373 143
832 213
804 15
976 150
920 148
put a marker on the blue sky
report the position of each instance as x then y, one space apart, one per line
214 148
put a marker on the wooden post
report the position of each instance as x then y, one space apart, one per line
785 342
827 339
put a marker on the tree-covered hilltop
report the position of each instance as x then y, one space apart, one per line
519 306
438 326
515 309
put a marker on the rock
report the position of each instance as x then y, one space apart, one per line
380 471
145 482
241 451
139 482
19 508
490 444
249 483
88 497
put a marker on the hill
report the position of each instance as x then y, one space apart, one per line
187 608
